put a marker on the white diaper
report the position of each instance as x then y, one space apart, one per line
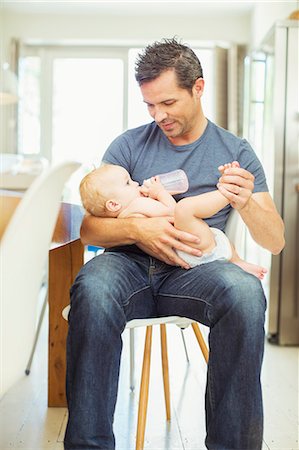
222 250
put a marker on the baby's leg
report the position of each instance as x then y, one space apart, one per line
190 211
185 220
258 271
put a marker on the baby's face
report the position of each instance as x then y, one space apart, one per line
124 188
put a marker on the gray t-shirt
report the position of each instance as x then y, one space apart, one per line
145 151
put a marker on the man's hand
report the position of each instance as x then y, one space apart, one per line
236 184
159 238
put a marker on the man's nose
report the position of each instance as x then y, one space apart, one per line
160 115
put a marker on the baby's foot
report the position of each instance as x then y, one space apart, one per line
255 270
223 167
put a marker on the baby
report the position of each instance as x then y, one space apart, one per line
109 191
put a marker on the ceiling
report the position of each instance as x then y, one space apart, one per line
123 7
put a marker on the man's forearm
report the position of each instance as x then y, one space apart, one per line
108 232
155 236
265 225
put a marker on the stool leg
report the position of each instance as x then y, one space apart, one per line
143 397
132 359
165 369
201 341
185 347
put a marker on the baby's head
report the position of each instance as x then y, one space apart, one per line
106 191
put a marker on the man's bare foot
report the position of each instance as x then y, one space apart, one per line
255 270
228 166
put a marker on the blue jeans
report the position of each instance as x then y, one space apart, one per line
114 288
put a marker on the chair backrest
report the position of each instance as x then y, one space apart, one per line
24 250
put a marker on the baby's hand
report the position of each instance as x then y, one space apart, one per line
223 167
155 187
144 190
151 187
146 183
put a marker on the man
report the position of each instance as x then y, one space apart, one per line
140 275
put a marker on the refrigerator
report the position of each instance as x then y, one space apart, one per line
271 119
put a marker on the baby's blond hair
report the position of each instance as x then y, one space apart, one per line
94 191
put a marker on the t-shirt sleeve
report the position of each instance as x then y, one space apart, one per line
118 153
248 160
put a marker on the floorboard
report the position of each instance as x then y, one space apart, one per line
27 423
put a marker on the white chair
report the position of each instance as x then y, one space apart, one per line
235 230
24 251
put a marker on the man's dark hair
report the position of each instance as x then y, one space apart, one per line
168 54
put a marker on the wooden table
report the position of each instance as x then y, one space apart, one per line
65 260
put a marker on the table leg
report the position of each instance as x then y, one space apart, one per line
64 264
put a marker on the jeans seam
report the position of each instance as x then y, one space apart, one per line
134 293
211 387
186 296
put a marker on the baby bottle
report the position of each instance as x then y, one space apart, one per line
175 182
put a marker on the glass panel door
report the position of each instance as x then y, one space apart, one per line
29 106
87 107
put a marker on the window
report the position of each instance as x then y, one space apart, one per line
29 106
87 107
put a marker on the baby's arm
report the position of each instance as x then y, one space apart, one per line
205 205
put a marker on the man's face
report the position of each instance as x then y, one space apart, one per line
175 110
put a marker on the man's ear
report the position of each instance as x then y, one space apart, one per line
199 86
112 205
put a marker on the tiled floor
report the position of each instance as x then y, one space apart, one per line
27 423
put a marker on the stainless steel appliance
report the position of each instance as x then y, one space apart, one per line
273 122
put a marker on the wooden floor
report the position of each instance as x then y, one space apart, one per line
27 423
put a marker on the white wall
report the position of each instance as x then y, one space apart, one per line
113 27
1 53
241 28
264 15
